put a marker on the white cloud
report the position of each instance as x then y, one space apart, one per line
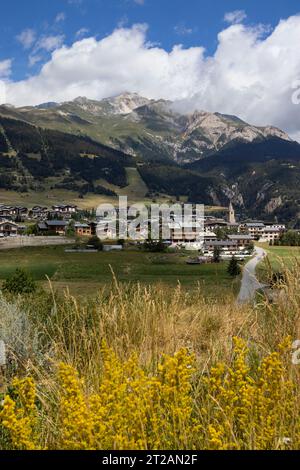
43 45
121 61
82 32
34 59
5 68
235 17
139 2
27 38
60 17
182 30
49 43
295 136
250 75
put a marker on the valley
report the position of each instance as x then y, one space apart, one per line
149 231
87 152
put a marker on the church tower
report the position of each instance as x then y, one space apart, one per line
231 214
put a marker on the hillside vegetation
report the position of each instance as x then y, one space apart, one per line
30 156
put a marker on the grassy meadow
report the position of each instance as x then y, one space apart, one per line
85 273
145 367
146 362
279 258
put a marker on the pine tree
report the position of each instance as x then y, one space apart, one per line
217 254
233 267
96 243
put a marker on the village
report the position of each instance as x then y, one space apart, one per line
225 236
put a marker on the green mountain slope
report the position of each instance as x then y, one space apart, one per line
88 146
147 129
30 155
262 178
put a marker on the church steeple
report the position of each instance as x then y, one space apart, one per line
231 214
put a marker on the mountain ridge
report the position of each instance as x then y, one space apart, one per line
209 158
141 126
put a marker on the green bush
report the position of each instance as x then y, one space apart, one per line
96 243
154 246
19 283
233 267
217 255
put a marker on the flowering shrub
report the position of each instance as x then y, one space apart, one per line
131 409
18 416
249 411
236 406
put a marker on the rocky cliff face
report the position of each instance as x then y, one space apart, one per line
119 105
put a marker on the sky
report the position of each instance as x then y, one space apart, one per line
235 57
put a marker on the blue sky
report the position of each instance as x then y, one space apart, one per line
235 57
189 22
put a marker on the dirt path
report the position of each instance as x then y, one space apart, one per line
250 283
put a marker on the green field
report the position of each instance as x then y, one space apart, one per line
83 273
279 258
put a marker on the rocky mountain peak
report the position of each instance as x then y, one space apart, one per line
220 129
121 104
81 100
158 129
126 102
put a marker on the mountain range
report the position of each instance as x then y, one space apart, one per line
206 157
144 128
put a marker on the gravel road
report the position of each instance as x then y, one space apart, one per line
250 283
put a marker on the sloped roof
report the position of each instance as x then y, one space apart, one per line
240 237
56 223
222 243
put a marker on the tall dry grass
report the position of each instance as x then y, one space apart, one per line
151 322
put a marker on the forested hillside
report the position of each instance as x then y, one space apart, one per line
29 155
